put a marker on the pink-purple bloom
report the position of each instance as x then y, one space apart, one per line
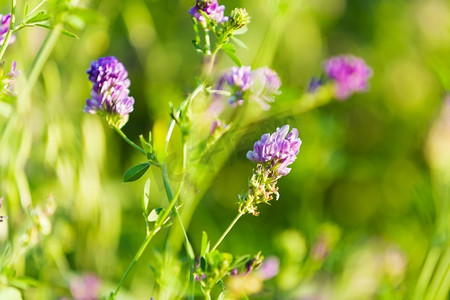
266 85
8 80
260 85
269 268
110 93
350 73
210 8
86 287
6 20
277 150
240 80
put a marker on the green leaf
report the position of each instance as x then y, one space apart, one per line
240 261
145 198
48 26
39 17
27 7
205 244
222 296
136 172
228 48
190 251
230 51
239 42
241 30
234 58
145 145
154 214
70 34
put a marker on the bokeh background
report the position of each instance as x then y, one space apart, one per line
362 215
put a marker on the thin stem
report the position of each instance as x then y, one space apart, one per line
207 42
186 102
120 132
10 29
227 230
138 255
212 59
42 56
171 198
145 243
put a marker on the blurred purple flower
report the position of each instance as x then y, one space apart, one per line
266 84
211 8
6 20
260 85
110 93
278 149
86 287
350 73
198 278
8 79
269 268
240 80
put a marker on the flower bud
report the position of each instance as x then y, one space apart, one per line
238 18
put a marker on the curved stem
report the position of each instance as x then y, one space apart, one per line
138 255
123 135
240 214
10 29
158 225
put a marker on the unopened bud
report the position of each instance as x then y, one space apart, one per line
238 18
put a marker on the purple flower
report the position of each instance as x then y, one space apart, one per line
211 8
240 80
269 268
260 85
86 287
350 73
8 80
278 150
266 84
110 93
6 20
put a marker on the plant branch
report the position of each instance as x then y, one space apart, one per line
240 214
10 29
123 135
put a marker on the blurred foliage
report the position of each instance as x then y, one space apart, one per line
363 214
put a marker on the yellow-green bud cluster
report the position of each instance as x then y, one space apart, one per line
239 18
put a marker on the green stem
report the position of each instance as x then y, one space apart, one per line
42 56
158 226
171 198
207 42
120 132
10 29
212 59
138 255
208 295
186 102
240 214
